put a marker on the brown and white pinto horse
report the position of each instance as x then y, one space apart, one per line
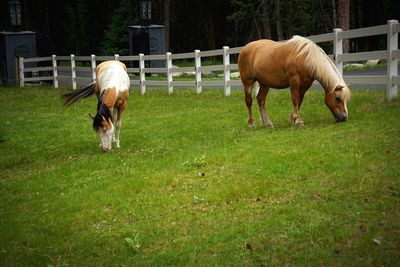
111 88
295 63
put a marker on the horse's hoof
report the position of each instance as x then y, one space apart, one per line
268 125
251 124
298 123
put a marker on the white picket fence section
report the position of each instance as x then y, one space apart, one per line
140 80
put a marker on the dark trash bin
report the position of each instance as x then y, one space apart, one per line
12 46
148 41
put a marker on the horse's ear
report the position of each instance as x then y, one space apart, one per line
339 87
104 118
90 115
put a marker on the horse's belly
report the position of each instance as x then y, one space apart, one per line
279 84
273 79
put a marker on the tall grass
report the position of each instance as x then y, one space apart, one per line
193 186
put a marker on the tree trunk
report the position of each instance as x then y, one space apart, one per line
210 32
265 20
167 15
344 20
334 13
279 30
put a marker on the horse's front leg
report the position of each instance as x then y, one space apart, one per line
296 100
117 125
116 134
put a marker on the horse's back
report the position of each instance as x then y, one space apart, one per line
112 74
249 51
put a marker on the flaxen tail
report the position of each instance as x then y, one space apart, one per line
72 97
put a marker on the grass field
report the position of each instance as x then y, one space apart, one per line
193 186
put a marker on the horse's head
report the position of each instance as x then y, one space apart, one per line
336 100
104 126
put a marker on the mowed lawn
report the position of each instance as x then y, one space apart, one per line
193 186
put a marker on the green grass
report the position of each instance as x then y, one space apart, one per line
364 67
193 186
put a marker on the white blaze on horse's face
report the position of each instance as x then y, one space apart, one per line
106 135
337 102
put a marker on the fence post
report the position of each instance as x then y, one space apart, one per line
392 45
337 50
55 72
169 73
93 66
73 71
197 66
116 57
142 74
21 72
227 72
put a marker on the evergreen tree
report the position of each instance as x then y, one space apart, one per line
116 37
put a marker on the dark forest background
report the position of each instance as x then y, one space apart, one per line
100 27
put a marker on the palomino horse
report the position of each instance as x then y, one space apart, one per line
295 64
111 88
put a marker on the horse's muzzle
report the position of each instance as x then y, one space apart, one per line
341 118
106 148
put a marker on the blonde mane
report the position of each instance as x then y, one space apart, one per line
320 65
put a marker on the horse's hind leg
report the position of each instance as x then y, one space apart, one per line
262 94
296 100
248 88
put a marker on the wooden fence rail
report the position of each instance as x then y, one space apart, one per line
54 72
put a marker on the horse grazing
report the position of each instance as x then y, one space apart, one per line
295 63
111 88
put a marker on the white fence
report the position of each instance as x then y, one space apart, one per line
73 74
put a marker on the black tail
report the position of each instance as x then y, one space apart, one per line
72 97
